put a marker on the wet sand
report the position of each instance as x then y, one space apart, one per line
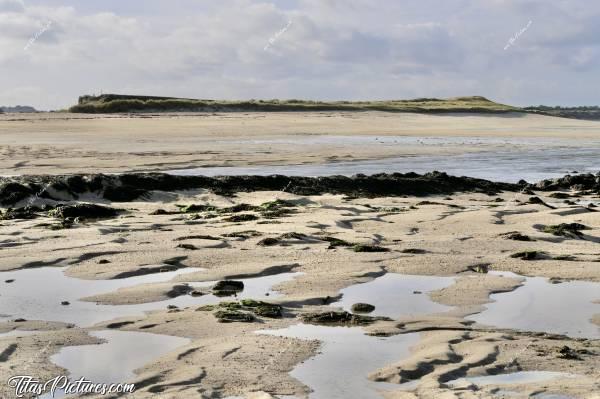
459 238
52 143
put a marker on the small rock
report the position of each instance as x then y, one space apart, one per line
179 290
65 303
12 280
415 251
362 308
159 212
227 288
189 247
369 248
568 353
268 242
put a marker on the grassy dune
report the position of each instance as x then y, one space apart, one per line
591 113
112 103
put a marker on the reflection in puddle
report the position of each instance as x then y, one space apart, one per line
37 295
347 357
116 360
538 305
521 377
393 295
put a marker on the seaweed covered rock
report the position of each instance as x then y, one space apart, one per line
363 308
193 208
27 212
12 192
276 204
339 318
84 211
124 193
516 236
586 181
132 186
369 248
336 242
244 311
244 217
570 230
528 255
263 309
232 316
227 288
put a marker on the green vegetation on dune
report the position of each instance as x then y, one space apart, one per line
113 103
585 113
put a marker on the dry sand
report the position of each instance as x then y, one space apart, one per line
74 143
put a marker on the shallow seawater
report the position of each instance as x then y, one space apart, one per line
520 377
114 362
393 295
37 295
347 355
346 358
498 159
541 306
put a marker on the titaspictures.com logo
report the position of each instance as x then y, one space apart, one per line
25 385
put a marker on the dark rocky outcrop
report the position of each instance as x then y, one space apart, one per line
580 182
84 211
134 186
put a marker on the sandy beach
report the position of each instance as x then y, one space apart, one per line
54 143
468 278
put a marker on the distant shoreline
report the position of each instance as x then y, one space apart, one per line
119 103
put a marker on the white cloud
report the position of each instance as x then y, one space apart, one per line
334 49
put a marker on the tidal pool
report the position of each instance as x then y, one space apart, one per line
37 295
113 362
538 305
396 295
346 358
347 355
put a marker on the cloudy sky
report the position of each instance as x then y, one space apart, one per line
52 51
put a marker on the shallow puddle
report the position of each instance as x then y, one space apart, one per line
346 358
538 305
396 295
38 294
113 362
